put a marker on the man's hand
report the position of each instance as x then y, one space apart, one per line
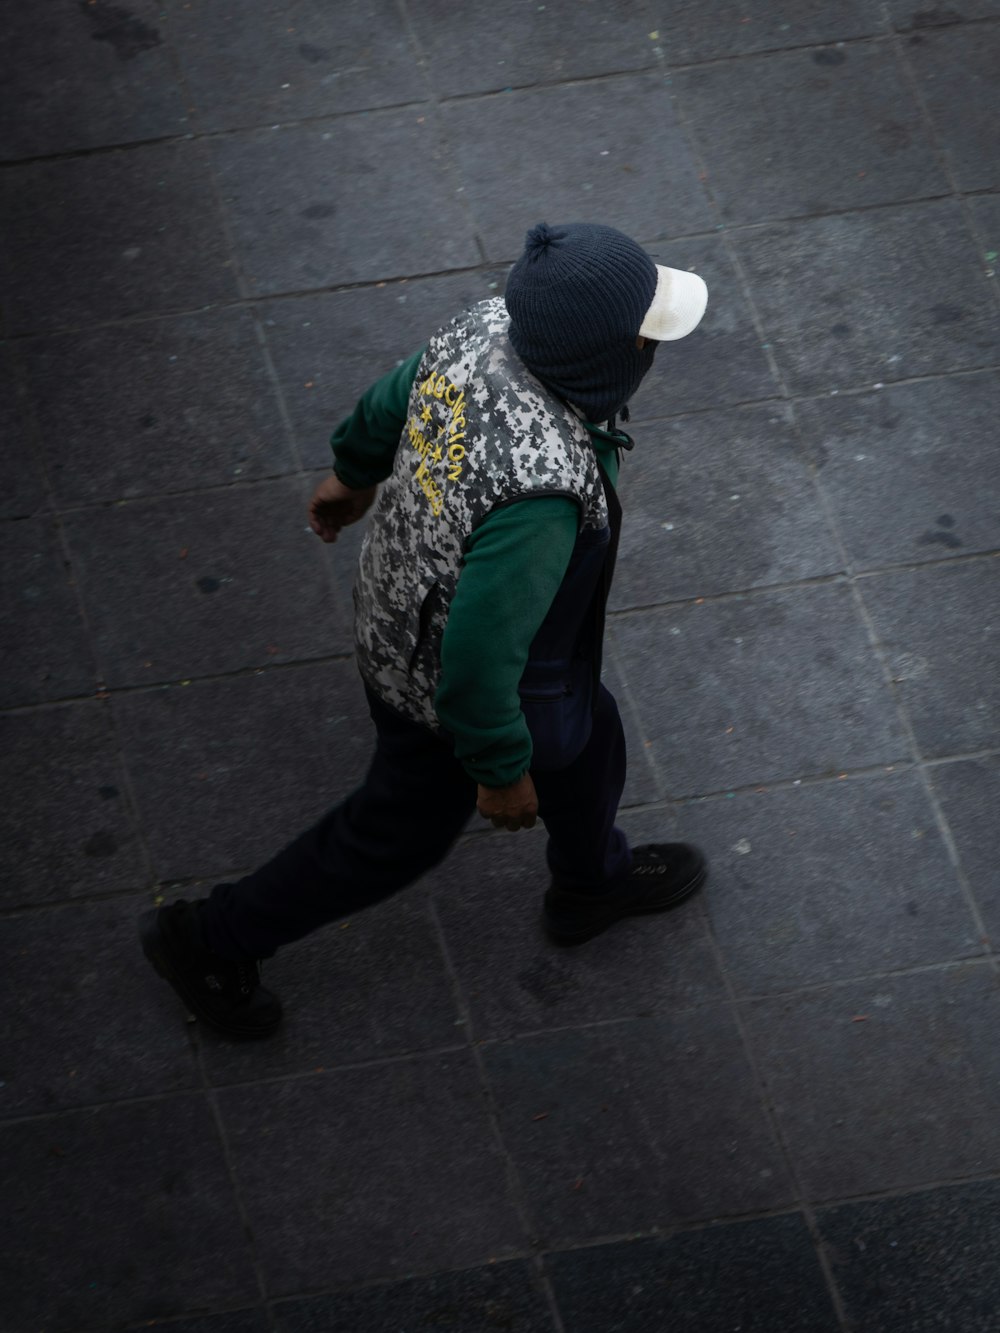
335 505
510 807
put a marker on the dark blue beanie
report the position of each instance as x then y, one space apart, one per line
576 299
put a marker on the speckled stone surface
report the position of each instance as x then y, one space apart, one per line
773 1109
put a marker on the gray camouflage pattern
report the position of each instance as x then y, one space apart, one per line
481 432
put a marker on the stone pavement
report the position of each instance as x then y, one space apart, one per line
776 1110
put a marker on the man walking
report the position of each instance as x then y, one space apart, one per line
493 454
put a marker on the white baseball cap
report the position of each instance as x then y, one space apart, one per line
677 306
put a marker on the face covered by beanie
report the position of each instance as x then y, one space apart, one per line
576 299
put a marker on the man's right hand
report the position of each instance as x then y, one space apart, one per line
335 505
512 807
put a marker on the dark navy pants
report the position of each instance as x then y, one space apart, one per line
411 807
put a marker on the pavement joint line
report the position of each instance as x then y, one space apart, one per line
249 1232
197 133
733 1004
104 691
934 562
665 1234
516 1193
736 228
880 38
310 471
834 578
937 761
885 770
548 85
433 101
819 396
242 282
199 1089
673 806
908 1191
883 659
612 650
543 1252
75 580
400 1279
814 580
770 1115
236 484
943 157
487 267
982 960
184 1319
88 1108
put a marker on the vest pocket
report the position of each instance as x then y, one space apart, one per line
427 629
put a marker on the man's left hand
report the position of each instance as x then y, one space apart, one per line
512 807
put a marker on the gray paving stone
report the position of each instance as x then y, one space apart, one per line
835 880
45 653
329 349
758 687
67 828
907 18
724 361
164 405
622 160
939 630
862 298
371 986
626 1127
76 978
476 49
87 75
295 60
957 72
909 471
642 782
693 30
969 793
919 1263
515 981
103 236
204 584
226 772
753 1276
985 211
809 131
313 206
120 1213
503 1296
884 1084
22 482
371 1172
236 1321
717 502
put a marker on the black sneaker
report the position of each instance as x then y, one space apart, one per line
226 995
663 874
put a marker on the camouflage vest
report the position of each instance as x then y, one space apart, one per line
481 432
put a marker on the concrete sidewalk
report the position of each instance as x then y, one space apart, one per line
776 1110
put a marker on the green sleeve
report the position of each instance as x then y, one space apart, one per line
514 564
364 445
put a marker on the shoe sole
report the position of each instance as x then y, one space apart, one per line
151 940
599 926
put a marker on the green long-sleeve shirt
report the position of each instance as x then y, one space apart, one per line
514 563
